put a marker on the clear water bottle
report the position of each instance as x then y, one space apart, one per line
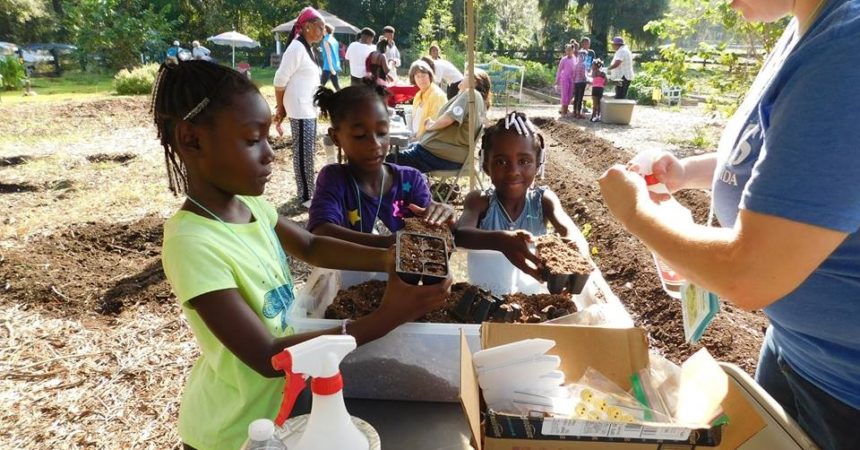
261 436
669 209
671 280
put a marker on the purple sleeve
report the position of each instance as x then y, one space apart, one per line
420 192
327 204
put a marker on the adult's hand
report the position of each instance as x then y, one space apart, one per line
280 115
623 192
668 170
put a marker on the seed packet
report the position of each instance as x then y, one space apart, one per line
698 307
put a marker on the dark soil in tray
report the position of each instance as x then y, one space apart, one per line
560 257
576 159
418 225
362 299
422 254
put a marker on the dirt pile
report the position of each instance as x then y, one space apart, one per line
89 266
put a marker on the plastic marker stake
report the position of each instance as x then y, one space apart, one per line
510 353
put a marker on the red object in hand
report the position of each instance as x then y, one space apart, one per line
651 180
401 94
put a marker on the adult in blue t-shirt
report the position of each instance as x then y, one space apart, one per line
330 51
786 189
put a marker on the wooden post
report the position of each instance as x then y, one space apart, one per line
470 75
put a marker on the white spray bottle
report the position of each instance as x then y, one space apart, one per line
329 427
671 209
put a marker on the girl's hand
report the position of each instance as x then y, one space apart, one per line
515 246
406 302
555 87
428 124
435 213
624 192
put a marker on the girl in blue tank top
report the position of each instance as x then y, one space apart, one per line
509 215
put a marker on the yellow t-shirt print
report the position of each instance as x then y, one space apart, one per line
353 217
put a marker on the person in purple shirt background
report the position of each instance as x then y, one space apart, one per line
365 200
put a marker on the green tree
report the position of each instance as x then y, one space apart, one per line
437 23
739 48
25 21
627 15
116 30
403 15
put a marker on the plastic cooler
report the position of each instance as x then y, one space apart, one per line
778 431
421 361
617 111
415 361
491 270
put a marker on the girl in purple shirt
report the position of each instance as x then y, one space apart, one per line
365 200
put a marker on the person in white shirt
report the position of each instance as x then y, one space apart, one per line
392 54
447 72
296 80
357 53
621 67
199 52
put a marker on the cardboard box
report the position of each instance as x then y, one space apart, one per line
616 353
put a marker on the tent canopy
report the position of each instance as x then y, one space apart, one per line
340 25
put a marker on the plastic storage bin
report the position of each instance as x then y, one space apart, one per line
617 111
421 361
491 270
416 361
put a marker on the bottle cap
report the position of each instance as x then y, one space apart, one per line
644 161
261 430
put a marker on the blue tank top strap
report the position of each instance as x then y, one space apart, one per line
531 219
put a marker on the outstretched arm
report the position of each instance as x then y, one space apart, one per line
513 244
561 221
324 251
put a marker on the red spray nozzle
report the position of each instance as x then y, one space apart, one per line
295 384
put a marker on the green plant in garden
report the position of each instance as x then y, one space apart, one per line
12 73
137 81
700 139
688 18
586 230
642 88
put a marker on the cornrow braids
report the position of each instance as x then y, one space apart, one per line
516 123
192 91
336 105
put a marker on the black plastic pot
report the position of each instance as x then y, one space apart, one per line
574 283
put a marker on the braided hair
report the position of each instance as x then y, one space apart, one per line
337 105
515 123
192 91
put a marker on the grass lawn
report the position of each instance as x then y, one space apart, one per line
76 85
73 85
